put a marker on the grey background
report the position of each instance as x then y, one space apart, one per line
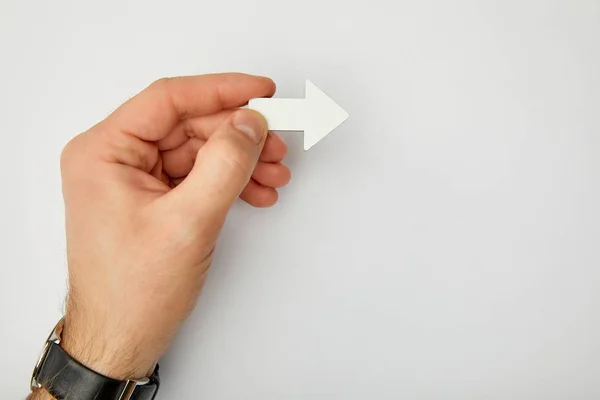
441 244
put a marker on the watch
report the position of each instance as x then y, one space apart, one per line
66 378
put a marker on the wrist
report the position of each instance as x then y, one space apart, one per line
89 372
116 355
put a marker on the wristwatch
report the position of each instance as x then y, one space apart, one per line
66 378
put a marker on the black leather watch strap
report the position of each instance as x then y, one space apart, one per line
65 378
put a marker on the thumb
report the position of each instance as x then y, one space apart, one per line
223 166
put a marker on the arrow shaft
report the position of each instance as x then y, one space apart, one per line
282 114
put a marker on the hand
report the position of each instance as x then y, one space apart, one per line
146 193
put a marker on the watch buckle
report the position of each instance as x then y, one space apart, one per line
54 337
130 387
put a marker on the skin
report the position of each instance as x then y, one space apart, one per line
146 194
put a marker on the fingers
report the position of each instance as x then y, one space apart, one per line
271 175
259 196
275 149
223 167
130 134
178 161
153 113
259 191
200 128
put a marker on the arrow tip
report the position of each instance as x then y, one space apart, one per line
324 115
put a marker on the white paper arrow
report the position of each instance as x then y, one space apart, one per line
317 115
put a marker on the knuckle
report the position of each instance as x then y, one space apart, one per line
68 153
161 82
165 91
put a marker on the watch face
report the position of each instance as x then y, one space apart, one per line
54 337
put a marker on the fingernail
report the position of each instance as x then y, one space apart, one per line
250 123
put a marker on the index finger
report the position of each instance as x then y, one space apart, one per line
154 112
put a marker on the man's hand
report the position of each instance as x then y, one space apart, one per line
146 193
